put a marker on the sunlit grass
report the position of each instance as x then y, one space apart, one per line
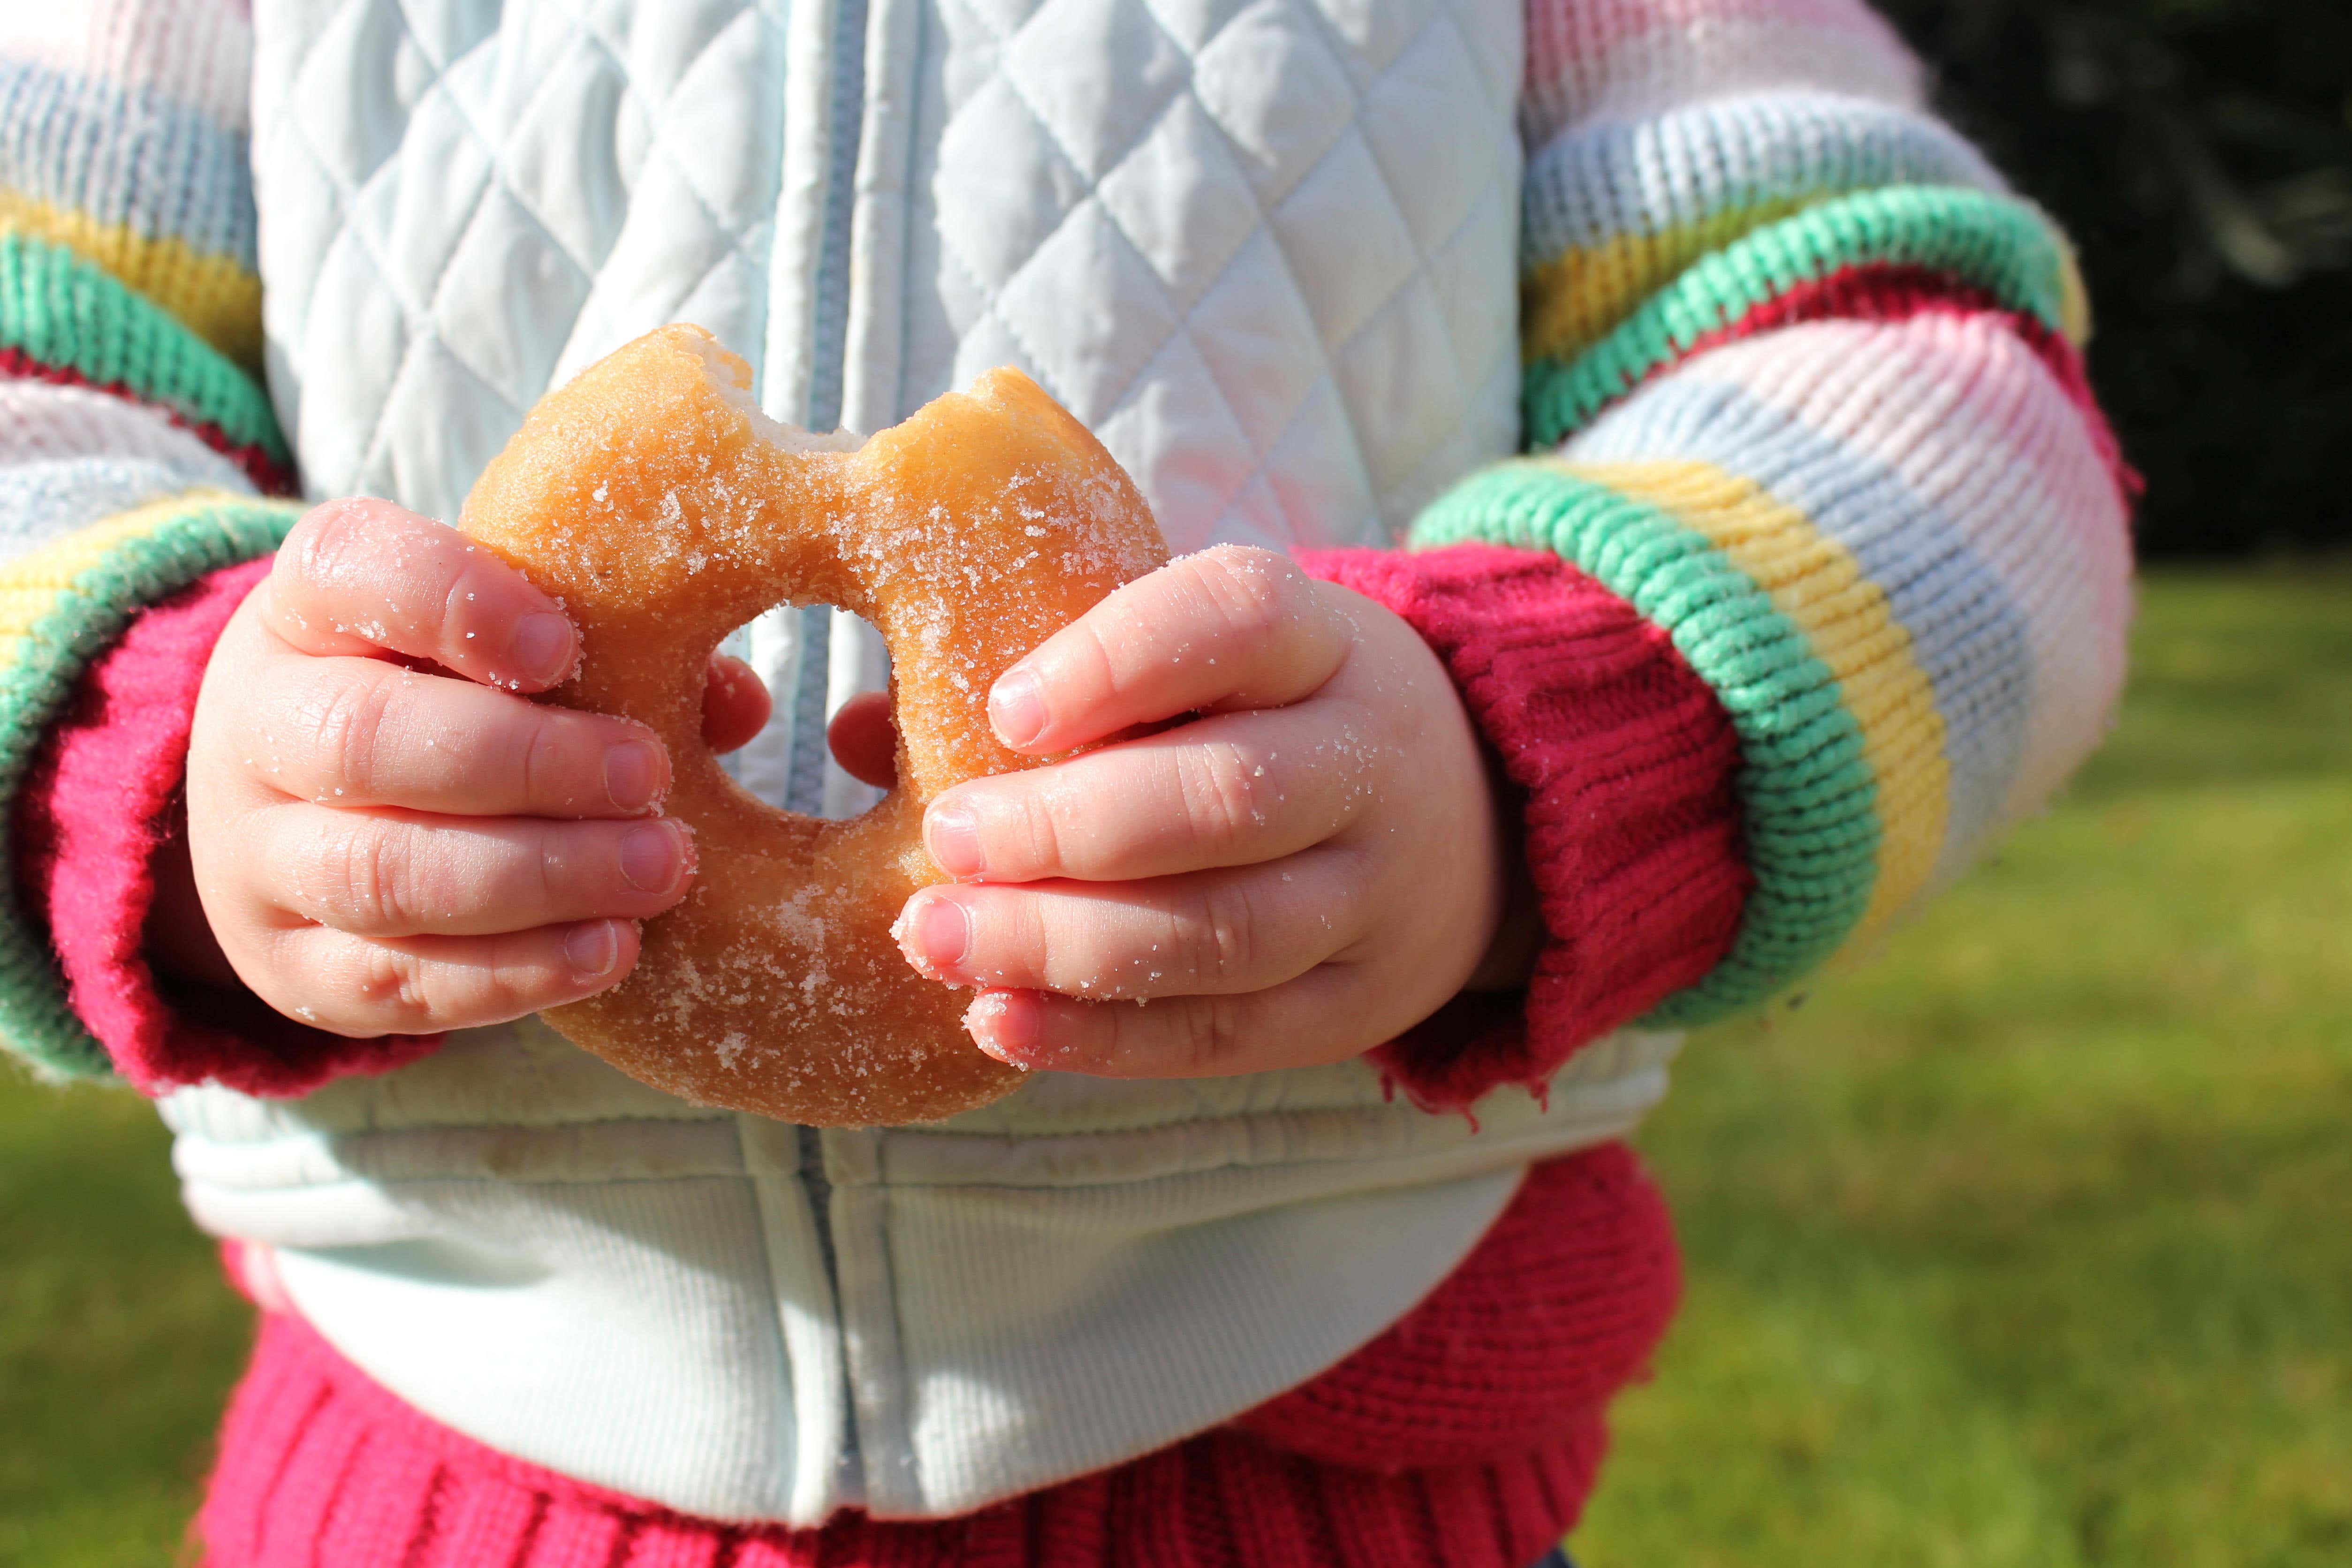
2029 1243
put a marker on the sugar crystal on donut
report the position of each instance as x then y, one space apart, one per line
655 499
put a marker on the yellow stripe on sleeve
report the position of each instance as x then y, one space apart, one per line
1817 584
1578 297
217 298
32 586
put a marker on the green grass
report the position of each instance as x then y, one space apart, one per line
117 1337
2029 1243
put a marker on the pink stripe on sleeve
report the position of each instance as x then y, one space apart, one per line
1600 24
1629 59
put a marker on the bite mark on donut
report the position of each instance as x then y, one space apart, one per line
665 508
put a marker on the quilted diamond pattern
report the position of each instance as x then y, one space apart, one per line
1264 246
1272 267
468 201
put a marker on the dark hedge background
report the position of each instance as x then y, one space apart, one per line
2201 153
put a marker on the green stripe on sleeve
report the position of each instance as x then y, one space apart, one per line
86 617
1809 802
65 311
1996 243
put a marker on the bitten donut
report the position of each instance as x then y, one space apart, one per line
652 497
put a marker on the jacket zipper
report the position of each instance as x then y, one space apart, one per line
845 125
829 335
849 1471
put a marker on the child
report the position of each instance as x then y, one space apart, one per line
1506 769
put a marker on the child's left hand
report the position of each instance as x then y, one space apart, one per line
1305 870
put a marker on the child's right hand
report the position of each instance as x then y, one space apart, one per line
381 851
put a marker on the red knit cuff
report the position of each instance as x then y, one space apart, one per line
88 825
1625 761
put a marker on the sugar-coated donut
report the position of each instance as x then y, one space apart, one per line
655 501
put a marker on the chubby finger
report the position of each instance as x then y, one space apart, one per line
355 576
735 704
1212 932
1299 1024
864 739
393 873
362 732
1227 791
365 987
1231 627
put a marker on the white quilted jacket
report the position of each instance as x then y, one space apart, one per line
1266 249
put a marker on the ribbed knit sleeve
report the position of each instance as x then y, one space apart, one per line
123 140
137 445
89 816
1620 764
1803 390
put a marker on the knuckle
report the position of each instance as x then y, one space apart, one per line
352 718
511 982
1255 591
1217 934
538 766
553 865
307 545
391 985
1212 1037
1041 830
1098 659
370 874
321 547
1222 787
404 992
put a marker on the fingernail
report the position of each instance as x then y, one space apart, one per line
935 934
541 647
1016 707
1006 1025
631 774
593 950
952 835
653 858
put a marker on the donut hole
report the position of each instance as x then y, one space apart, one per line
812 659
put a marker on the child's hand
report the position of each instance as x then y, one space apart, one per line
383 851
1301 874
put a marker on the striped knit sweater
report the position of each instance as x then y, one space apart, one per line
137 445
1814 579
1802 387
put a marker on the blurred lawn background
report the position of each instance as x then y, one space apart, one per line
2029 1243
2032 1242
